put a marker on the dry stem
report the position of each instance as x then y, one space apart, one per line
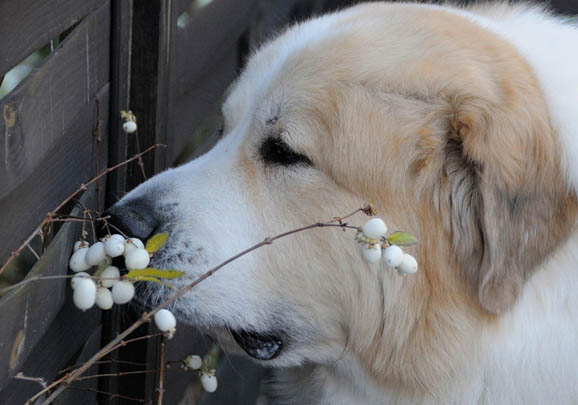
54 212
147 316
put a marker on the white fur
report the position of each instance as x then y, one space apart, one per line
528 357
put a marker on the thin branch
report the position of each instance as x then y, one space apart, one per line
39 380
68 199
110 394
161 388
33 251
146 316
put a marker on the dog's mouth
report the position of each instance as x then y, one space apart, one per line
258 346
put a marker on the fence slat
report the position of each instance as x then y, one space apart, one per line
27 25
38 113
57 348
70 162
26 312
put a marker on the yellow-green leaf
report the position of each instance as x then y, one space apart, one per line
156 242
144 278
152 272
402 239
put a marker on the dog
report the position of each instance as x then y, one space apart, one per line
461 125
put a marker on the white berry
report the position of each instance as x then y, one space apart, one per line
165 320
392 256
104 298
79 244
209 382
137 259
408 264
122 292
129 127
78 260
371 254
114 247
116 236
110 276
77 276
193 361
132 244
95 254
84 293
374 228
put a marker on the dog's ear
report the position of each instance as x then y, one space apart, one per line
509 205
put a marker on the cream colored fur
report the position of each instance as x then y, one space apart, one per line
462 134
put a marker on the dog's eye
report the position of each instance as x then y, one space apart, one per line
274 151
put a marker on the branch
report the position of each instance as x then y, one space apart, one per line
83 187
147 316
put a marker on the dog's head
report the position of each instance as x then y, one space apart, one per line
439 122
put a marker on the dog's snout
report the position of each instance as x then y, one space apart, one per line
135 218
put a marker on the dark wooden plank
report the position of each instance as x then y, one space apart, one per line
190 106
27 25
58 348
26 313
38 112
69 162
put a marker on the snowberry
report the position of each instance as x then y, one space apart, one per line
371 254
122 292
104 298
74 279
114 247
116 236
131 244
79 244
374 228
78 260
129 127
392 255
193 361
408 264
110 276
84 293
209 382
95 254
165 320
137 259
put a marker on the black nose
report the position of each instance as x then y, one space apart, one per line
135 218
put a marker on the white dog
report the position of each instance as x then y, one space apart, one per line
462 126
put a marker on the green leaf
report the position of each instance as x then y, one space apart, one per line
157 242
155 273
402 239
145 278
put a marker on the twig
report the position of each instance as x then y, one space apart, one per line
161 388
67 200
117 374
33 251
130 363
72 219
39 380
146 316
110 394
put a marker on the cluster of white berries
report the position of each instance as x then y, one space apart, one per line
374 246
109 288
207 374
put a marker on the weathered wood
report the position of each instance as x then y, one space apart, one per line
26 312
69 163
38 113
27 25
56 349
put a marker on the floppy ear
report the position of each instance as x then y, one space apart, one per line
509 205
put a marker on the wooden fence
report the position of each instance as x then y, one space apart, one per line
169 61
